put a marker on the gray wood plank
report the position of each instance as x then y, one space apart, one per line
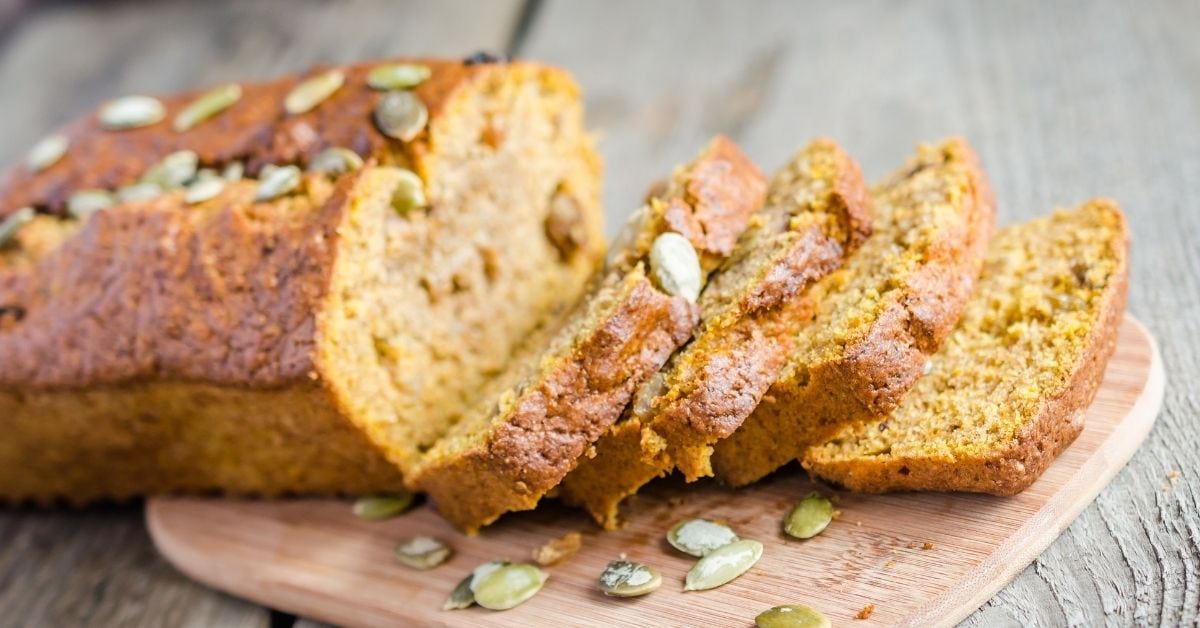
1063 100
98 567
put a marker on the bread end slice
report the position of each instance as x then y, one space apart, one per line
1007 392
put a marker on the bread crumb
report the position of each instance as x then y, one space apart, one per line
911 545
837 514
558 550
927 546
889 564
866 612
858 523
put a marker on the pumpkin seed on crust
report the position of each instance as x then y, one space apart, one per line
47 152
13 222
401 115
207 105
397 76
131 112
311 92
675 266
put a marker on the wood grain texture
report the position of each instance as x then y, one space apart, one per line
1064 100
313 557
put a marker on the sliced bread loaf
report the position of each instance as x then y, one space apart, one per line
572 383
816 213
1006 393
295 333
878 317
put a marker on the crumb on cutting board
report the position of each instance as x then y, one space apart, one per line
865 612
557 550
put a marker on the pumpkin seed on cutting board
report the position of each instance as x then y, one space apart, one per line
792 616
622 578
463 595
675 266
809 516
380 507
423 552
699 537
723 565
509 586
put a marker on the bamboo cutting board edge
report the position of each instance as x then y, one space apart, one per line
311 557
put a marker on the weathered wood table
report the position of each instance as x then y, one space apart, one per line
1063 100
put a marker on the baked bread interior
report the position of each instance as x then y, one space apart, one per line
1007 391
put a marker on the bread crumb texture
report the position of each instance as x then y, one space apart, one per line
1007 391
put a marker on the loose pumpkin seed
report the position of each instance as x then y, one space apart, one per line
277 181
381 507
203 189
13 223
809 516
401 115
675 266
463 595
234 171
423 552
84 202
557 550
335 160
792 616
699 537
47 152
174 171
409 194
723 565
138 191
131 112
397 76
622 578
509 586
312 92
207 105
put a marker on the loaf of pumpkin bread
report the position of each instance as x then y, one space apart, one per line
575 379
168 325
816 213
1007 392
878 317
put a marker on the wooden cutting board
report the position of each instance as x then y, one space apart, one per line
921 559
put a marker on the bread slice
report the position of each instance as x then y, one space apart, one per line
569 388
1006 393
878 317
303 344
816 213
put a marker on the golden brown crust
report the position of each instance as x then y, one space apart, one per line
529 447
719 379
871 373
1012 469
255 130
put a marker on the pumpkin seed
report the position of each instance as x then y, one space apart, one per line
131 112
699 537
335 160
509 586
409 194
463 594
312 92
397 76
277 181
174 171
234 171
723 565
203 189
675 266
792 616
423 552
622 578
13 223
809 516
401 115
47 152
138 191
557 550
381 507
207 105
84 202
